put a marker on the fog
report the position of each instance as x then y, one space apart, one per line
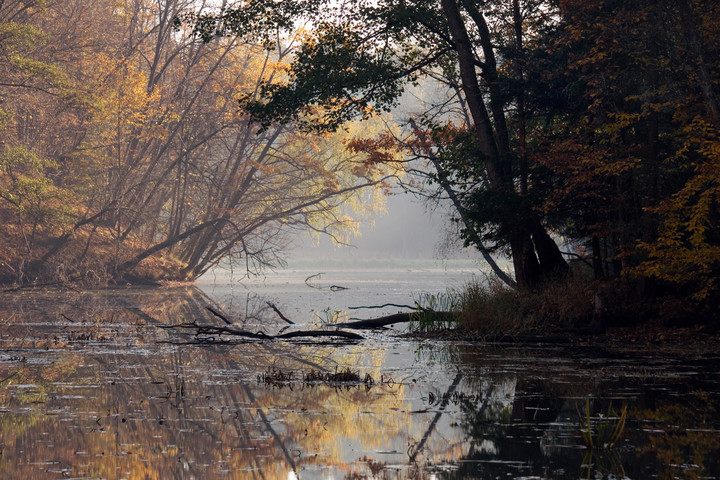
408 229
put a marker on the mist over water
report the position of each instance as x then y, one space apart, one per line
311 289
398 257
408 229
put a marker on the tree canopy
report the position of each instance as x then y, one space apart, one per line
124 156
595 122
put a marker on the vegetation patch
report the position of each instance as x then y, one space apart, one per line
340 377
497 309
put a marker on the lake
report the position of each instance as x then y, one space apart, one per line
105 384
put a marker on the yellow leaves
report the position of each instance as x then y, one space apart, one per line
27 191
125 96
687 250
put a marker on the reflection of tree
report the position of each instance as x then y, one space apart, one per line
672 430
134 406
415 449
90 386
683 440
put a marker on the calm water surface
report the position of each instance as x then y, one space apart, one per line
93 385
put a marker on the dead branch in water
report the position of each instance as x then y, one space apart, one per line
333 288
382 306
307 280
210 330
377 322
280 314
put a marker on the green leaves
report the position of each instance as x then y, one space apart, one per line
337 75
28 190
260 21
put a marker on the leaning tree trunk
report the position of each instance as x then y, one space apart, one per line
535 255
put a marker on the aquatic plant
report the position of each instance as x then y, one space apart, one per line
604 431
329 316
436 312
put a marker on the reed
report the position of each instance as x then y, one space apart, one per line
436 312
602 432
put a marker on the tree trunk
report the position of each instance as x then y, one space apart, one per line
528 273
551 260
473 97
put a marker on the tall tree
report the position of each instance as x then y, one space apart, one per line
361 56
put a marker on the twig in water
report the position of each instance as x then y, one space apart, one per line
219 315
272 305
312 276
382 306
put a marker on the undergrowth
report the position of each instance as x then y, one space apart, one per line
494 308
497 308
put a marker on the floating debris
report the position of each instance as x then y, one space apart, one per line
344 377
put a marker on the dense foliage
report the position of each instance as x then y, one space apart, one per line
629 141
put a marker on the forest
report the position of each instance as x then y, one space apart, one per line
147 140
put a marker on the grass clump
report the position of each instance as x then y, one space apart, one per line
494 308
436 312
498 309
603 431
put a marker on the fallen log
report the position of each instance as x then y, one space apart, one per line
376 322
321 333
406 317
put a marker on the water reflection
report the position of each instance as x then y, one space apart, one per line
93 386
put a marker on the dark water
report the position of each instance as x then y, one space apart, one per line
93 386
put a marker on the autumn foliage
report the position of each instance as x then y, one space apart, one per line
124 157
633 143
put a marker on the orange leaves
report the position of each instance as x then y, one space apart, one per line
382 149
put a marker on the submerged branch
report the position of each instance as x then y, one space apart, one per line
307 280
229 330
280 314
